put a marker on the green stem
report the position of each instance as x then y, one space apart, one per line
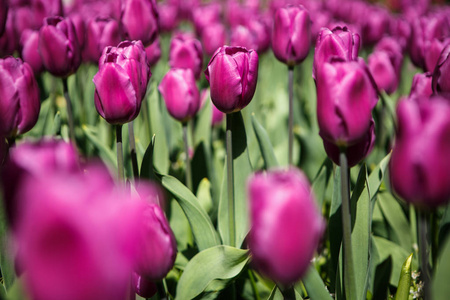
69 110
188 160
288 293
192 130
291 114
230 181
348 268
423 254
119 152
146 117
161 290
134 162
253 283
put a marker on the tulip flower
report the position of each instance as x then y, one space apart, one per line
441 74
291 35
217 116
375 26
143 287
168 16
232 74
140 20
153 52
58 46
3 14
286 225
80 28
213 37
383 71
242 37
29 41
421 87
261 33
420 165
205 15
186 53
339 42
100 33
19 101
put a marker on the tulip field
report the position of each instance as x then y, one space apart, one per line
224 149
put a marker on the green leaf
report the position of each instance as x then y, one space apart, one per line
203 125
377 175
320 182
211 270
265 145
161 150
56 123
277 295
314 285
6 264
381 281
440 288
404 283
106 154
202 228
204 195
147 161
335 226
242 170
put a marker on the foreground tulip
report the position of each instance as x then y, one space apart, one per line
100 33
291 35
140 20
186 52
232 74
58 46
441 74
19 101
420 165
286 224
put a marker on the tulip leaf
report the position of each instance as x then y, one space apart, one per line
276 294
381 280
202 131
202 228
335 225
314 285
6 264
404 283
147 161
321 180
56 123
440 287
265 145
105 153
211 270
444 226
242 170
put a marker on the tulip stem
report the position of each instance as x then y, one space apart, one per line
161 290
119 152
348 269
230 180
134 162
253 283
423 254
288 293
188 160
69 110
291 113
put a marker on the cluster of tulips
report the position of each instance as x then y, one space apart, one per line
212 219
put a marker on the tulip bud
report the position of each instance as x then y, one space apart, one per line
100 33
180 94
232 74
291 35
186 53
242 37
168 16
286 226
80 28
213 37
204 16
383 71
58 46
339 42
121 82
375 26
140 20
153 52
29 43
143 287
421 86
19 101
420 165
441 74
3 14
345 99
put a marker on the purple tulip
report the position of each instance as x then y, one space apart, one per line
19 101
339 42
153 52
291 35
100 33
241 36
441 74
383 72
421 86
401 31
213 37
186 53
45 8
345 99
140 20
261 32
375 26
29 42
232 74
3 14
180 94
58 46
420 165
80 28
121 82
168 16
205 15
143 287
217 116
286 224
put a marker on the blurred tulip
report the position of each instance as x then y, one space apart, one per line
58 46
3 15
217 116
242 37
401 31
420 165
373 27
140 20
286 225
9 41
421 87
153 52
186 53
261 34
185 7
213 37
29 44
143 287
339 42
180 93
383 71
100 33
291 35
441 74
121 82
205 15
19 101
232 74
80 28
345 99
168 16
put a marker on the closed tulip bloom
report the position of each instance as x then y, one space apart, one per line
121 82
241 36
186 53
100 33
421 86
441 74
80 28
286 225
140 20
180 93
153 52
420 165
3 14
143 287
383 71
232 74
168 16
58 46
291 35
345 99
205 15
217 116
29 42
19 101
213 37
375 26
339 42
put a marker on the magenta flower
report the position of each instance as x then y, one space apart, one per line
100 33
206 15
153 52
143 287
213 37
441 74
29 41
286 225
168 16
241 36
186 53
140 20
3 14
421 87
